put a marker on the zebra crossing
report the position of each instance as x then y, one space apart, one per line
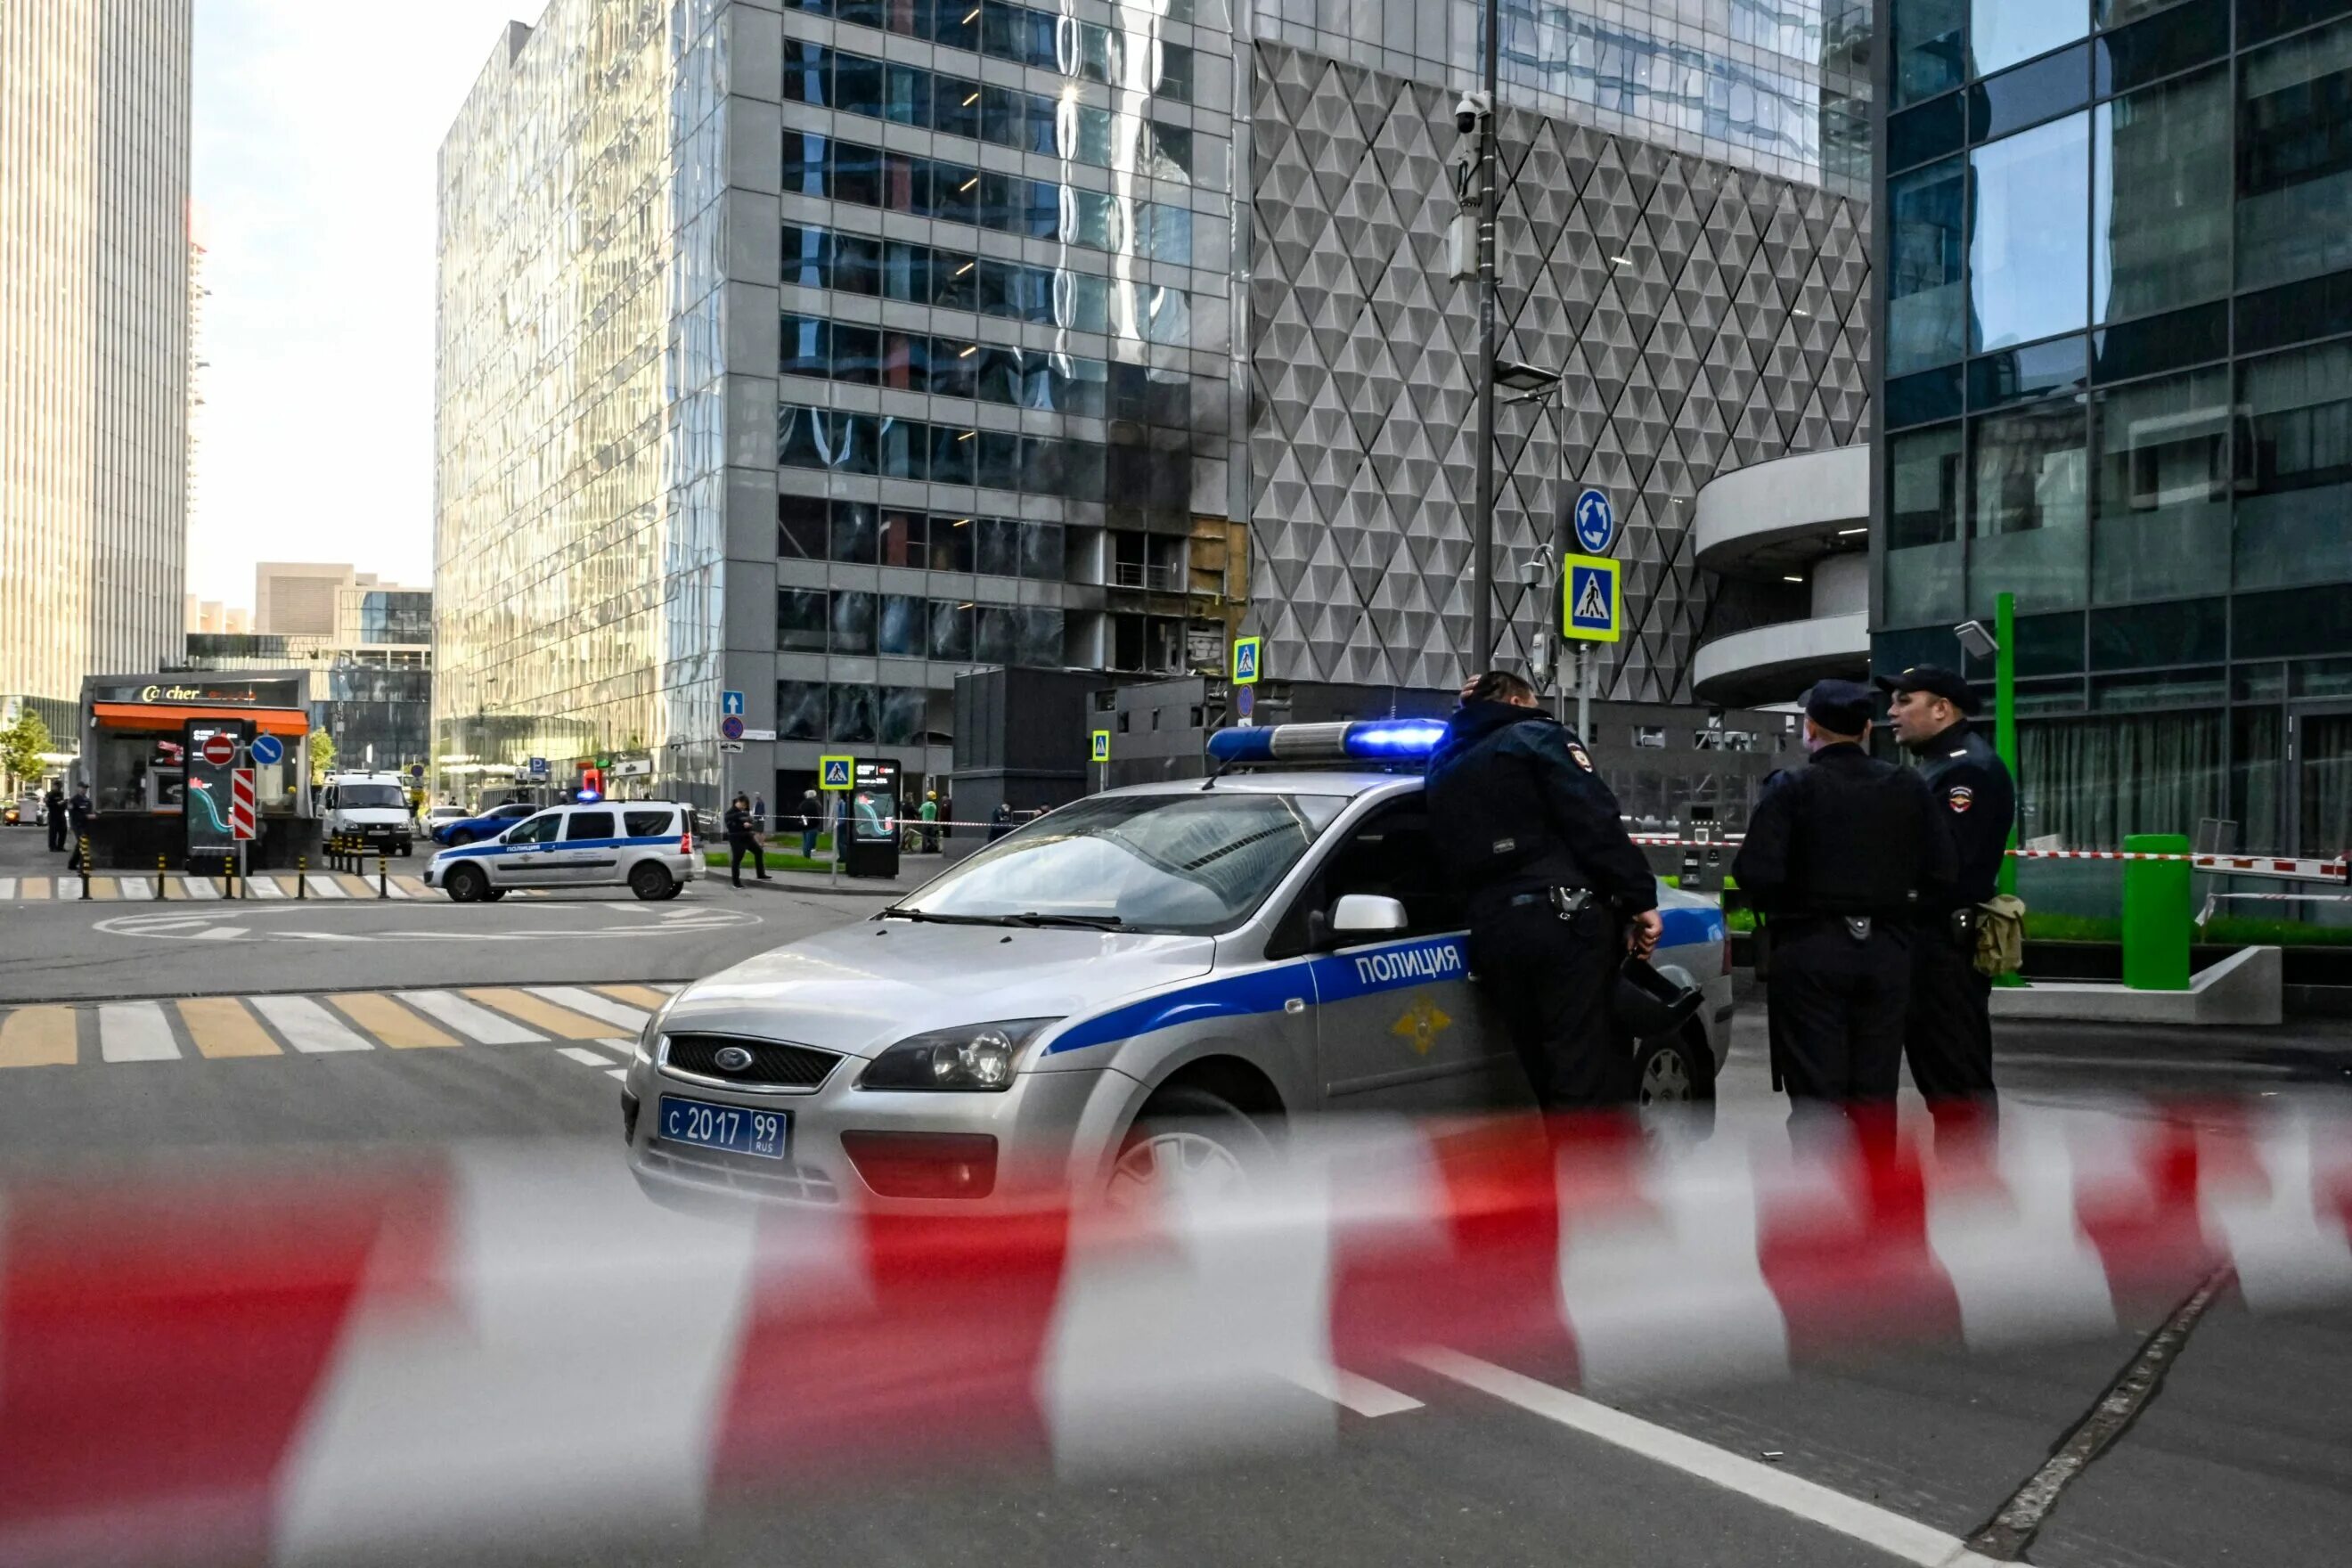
593 1025
116 887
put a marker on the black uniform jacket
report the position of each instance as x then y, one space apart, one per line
1515 805
1847 835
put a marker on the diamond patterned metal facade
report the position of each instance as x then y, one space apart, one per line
1707 317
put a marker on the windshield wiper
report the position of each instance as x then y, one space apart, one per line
900 911
1028 917
1087 922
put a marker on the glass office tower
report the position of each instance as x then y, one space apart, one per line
2118 383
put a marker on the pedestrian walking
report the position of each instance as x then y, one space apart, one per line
1526 826
742 839
759 814
53 811
1948 1036
812 822
1834 857
929 812
1000 821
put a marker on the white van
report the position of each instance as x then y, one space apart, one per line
370 806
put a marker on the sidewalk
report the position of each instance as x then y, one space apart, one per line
821 883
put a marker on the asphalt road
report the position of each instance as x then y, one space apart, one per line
65 949
2245 1455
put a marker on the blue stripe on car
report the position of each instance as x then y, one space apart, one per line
1337 977
475 851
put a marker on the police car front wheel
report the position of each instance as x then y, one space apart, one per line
1671 1073
1187 1141
465 884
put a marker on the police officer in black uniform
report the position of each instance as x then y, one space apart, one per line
1948 1037
1834 856
1524 825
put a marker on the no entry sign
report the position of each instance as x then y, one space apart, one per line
220 750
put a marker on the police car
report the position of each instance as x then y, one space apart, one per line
1135 987
644 846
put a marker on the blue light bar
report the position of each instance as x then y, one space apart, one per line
1366 739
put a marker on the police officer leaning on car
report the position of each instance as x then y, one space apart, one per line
1523 823
1948 1037
1834 856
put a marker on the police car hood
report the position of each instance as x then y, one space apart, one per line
861 988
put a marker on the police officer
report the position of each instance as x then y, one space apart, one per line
1522 823
1834 856
1949 1037
743 841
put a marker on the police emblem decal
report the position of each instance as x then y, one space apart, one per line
1962 797
1421 1026
1581 760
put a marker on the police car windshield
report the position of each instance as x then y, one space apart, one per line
356 796
1189 862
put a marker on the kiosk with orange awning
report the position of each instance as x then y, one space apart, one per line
134 762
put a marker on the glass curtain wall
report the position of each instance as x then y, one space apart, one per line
2117 383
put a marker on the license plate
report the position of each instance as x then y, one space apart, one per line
727 1127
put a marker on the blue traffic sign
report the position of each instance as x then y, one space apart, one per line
732 727
1592 600
834 773
1596 523
732 703
1249 658
267 750
538 767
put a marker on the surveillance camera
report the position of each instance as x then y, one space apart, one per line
1470 109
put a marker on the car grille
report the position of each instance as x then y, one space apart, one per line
767 1178
775 1065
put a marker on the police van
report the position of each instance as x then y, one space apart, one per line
644 846
1144 981
371 807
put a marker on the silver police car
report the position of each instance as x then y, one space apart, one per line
1133 989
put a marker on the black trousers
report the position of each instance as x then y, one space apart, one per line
1948 1033
1837 1010
738 851
56 832
1551 979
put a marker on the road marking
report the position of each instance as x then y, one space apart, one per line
580 1054
8 888
101 886
38 1038
480 1023
199 888
35 888
325 886
560 1022
218 933
1345 1389
132 888
622 1049
580 1000
135 1032
621 1073
308 1027
392 1024
353 886
264 887
644 996
1867 1522
222 1027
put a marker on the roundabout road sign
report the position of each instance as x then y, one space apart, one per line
1596 523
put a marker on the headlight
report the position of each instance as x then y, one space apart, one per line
976 1056
652 1031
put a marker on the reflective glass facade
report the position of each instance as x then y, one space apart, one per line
2118 383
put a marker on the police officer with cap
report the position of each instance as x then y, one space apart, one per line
1834 856
1523 824
1948 1037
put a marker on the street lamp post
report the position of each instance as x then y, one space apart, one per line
1482 525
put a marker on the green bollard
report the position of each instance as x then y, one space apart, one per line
2157 920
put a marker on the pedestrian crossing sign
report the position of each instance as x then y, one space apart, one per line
1592 602
1246 657
1102 745
834 773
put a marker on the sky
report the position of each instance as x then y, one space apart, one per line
316 126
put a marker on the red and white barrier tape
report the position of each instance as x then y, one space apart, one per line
511 1341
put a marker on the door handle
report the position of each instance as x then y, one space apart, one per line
1295 1005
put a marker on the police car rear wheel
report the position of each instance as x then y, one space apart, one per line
650 882
465 884
1670 1075
1187 1141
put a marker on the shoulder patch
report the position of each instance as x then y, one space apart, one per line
1961 753
1582 761
1961 796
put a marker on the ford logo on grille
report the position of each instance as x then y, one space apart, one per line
731 1058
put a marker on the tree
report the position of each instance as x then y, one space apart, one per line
22 744
322 755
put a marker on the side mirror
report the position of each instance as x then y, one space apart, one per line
1366 914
